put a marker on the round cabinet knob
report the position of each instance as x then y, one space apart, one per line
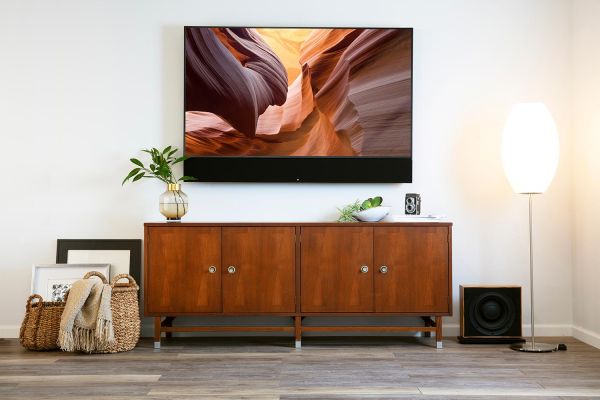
383 269
212 269
231 269
364 269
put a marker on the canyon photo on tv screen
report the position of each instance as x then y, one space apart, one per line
298 104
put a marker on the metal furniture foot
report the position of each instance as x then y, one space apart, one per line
438 332
298 332
157 345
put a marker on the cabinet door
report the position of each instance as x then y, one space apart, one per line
264 263
178 274
331 261
417 269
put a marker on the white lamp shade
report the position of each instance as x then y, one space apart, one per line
530 148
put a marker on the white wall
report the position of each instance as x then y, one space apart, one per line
86 84
586 170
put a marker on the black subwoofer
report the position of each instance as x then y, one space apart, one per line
490 314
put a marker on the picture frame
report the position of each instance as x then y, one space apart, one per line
124 255
52 281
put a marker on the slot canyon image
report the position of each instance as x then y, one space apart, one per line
298 92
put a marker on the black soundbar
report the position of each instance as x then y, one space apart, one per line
300 169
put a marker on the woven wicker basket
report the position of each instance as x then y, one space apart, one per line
39 330
125 312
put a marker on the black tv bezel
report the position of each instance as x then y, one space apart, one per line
325 169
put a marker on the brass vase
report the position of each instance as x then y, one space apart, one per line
173 203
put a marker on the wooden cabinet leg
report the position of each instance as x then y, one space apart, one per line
157 332
438 332
298 331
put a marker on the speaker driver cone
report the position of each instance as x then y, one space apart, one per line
492 313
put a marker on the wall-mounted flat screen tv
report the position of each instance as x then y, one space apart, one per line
298 104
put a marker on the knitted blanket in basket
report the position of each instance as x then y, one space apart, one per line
86 323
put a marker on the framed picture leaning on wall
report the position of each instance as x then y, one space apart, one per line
53 281
124 255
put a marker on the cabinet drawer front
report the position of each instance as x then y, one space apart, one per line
178 275
331 261
263 275
417 274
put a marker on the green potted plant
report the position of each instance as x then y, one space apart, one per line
173 203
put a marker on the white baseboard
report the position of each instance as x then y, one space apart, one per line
540 330
9 331
586 336
549 330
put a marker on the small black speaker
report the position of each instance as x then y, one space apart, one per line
490 314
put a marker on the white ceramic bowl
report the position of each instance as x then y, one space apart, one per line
372 214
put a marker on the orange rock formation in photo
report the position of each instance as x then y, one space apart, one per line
298 92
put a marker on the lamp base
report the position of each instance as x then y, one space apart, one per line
529 347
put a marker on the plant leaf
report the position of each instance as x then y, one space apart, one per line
131 173
376 202
163 170
186 178
366 204
180 159
156 156
138 176
137 162
346 213
166 150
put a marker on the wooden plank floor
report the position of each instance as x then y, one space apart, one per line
325 368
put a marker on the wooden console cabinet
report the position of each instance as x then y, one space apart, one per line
298 270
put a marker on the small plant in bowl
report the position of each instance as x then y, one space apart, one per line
369 210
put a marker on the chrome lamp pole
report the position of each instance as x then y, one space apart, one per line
531 346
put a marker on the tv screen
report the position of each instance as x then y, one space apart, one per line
298 104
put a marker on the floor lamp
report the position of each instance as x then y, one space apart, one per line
530 157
